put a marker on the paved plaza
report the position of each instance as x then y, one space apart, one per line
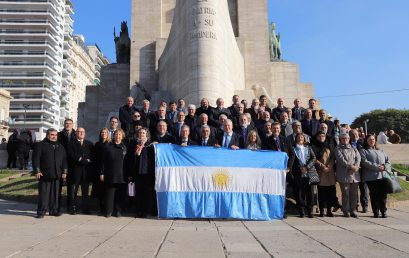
93 236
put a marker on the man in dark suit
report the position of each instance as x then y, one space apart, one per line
113 125
80 171
172 114
161 135
177 126
47 152
277 142
244 129
254 110
276 112
203 120
228 139
191 119
298 110
184 139
263 104
296 125
235 106
312 104
159 116
125 114
309 125
220 109
205 139
205 108
146 113
324 119
65 137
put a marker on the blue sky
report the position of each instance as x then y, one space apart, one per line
343 47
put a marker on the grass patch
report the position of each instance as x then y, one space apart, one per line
404 195
8 173
402 168
19 187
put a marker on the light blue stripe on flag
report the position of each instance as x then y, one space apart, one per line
169 155
211 205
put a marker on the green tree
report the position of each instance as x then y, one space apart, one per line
390 119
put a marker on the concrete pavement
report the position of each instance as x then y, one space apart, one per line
21 235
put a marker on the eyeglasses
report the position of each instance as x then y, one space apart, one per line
137 116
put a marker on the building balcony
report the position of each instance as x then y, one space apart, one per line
16 23
29 33
11 66
27 76
33 99
28 87
49 5
15 55
20 121
27 45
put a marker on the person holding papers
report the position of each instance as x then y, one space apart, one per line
228 139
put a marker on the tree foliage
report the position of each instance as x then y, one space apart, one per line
381 120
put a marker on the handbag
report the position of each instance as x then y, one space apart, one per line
313 176
391 183
131 189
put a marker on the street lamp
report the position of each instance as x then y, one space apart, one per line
366 126
25 113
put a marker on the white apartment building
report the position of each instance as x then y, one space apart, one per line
82 74
32 44
99 61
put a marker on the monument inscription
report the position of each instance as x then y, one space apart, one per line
203 21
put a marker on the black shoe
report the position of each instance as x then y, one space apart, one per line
86 212
301 212
346 215
364 209
384 215
118 214
353 215
376 215
40 216
108 215
310 215
329 214
73 212
321 214
285 215
55 214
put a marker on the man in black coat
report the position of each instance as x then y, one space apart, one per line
161 135
220 109
310 125
50 165
12 150
191 119
205 108
277 142
125 114
177 126
146 114
203 120
80 171
159 116
66 136
244 129
298 111
276 112
324 119
228 139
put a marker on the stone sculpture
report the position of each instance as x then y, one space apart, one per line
275 46
123 45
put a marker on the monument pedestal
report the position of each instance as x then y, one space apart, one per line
104 101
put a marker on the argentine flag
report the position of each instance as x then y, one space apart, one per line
208 182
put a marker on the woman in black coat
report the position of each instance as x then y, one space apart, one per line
98 187
304 161
112 174
138 152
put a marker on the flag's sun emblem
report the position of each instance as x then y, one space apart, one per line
221 179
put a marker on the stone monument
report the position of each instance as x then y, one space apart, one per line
154 38
192 49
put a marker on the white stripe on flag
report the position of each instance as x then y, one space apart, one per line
220 179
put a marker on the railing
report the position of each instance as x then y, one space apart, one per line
21 42
34 97
40 109
33 119
26 64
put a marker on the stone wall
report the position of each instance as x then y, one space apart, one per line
104 101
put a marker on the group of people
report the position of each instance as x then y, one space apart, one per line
321 152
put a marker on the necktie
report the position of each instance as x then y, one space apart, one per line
278 144
226 144
204 143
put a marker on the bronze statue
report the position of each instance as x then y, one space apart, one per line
123 45
275 46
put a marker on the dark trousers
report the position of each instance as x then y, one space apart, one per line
11 159
327 197
378 195
145 196
72 195
23 159
303 194
363 198
61 184
114 197
47 195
